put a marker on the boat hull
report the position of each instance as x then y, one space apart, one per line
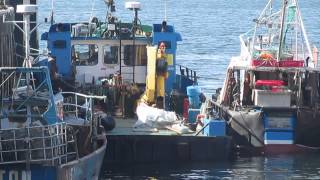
124 149
274 149
247 133
87 167
19 171
308 128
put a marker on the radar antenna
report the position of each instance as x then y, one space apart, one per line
110 19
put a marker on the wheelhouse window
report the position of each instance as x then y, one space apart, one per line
85 54
110 54
60 44
140 55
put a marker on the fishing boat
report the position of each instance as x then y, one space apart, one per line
270 96
135 66
113 58
45 134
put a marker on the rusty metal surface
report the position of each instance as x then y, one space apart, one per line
86 168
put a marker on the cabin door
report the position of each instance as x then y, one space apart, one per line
134 64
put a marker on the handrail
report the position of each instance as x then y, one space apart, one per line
189 72
85 96
24 69
88 103
245 51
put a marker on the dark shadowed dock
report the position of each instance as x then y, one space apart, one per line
126 145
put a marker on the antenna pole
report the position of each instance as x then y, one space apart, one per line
165 10
52 12
134 6
27 62
285 2
26 19
135 27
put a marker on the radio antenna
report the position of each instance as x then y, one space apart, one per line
165 10
52 12
93 3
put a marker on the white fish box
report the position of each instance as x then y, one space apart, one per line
79 30
268 98
27 8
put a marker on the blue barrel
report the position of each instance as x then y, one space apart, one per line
193 93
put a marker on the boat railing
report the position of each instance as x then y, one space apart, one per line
245 53
49 144
79 105
187 72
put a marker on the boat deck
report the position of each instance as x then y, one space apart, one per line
129 145
124 126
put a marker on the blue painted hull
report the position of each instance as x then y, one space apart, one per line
87 167
19 171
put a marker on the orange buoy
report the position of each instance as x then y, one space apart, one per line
266 56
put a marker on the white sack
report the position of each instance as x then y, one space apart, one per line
154 117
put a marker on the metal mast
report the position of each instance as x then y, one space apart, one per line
283 17
134 6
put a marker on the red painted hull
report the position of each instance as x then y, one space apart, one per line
277 149
272 149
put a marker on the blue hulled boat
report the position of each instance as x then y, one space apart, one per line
45 134
135 66
92 56
270 96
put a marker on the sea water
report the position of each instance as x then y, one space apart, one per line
210 30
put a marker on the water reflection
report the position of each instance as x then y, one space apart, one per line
271 167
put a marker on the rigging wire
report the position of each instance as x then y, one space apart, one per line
165 10
52 5
52 12
93 2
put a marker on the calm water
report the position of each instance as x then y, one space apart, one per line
210 31
276 167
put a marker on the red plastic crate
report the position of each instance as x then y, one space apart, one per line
288 63
264 63
270 83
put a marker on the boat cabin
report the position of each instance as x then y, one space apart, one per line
94 57
277 66
87 53
271 87
88 57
